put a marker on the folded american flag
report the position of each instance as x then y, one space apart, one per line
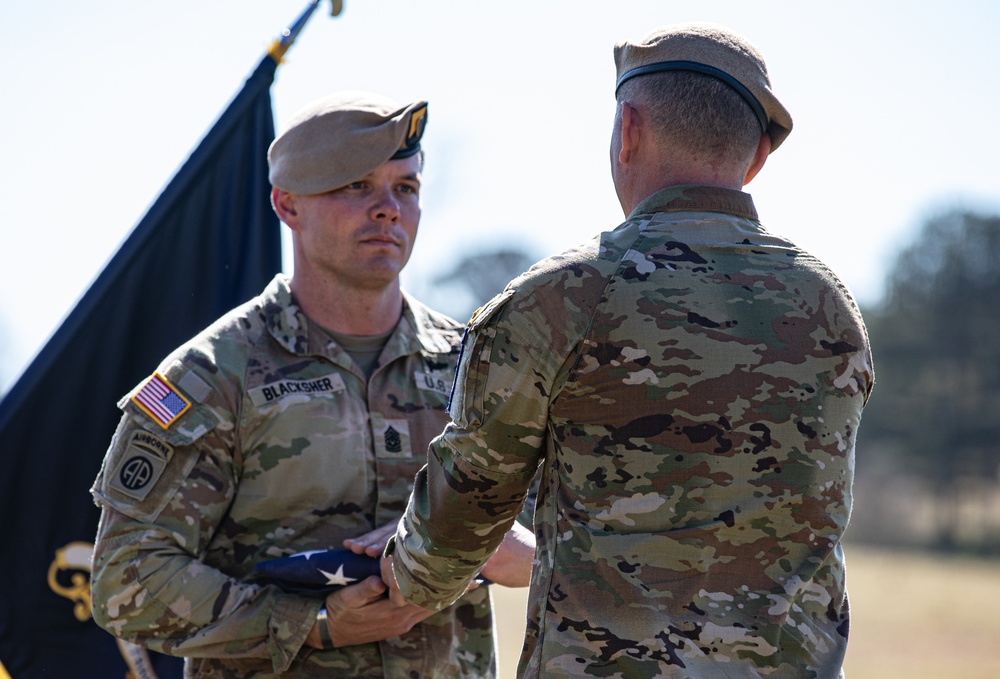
322 571
319 571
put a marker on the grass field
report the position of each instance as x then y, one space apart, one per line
913 616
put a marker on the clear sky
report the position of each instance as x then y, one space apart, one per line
895 105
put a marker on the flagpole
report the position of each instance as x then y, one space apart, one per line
287 37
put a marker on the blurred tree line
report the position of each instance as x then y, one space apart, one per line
475 279
928 460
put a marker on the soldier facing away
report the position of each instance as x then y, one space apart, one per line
296 423
691 385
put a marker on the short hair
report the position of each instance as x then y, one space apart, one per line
698 113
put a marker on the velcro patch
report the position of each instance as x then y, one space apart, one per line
161 400
194 386
142 465
275 391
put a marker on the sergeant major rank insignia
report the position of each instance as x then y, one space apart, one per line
393 441
392 436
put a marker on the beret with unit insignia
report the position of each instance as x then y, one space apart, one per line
341 138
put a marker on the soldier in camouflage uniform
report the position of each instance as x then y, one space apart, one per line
691 385
296 422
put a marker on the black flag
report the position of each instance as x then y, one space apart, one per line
208 243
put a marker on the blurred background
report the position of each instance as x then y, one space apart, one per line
890 176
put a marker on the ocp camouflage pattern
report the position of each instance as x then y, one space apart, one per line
692 386
285 448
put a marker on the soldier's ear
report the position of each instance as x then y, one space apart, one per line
631 131
759 158
285 207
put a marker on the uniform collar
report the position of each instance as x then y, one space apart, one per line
700 199
423 330
285 319
292 329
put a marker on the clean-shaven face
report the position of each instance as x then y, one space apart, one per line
362 234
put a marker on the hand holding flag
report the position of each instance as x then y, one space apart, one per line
322 571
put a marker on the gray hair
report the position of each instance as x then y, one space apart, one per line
697 113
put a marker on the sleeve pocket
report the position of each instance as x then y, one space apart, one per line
466 405
146 466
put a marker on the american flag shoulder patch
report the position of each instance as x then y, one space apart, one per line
161 400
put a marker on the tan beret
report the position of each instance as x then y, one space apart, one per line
714 51
341 138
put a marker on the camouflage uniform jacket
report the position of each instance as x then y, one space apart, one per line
692 386
285 448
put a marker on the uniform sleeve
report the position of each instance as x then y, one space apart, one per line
481 468
164 492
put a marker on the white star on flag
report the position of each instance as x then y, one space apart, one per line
337 578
